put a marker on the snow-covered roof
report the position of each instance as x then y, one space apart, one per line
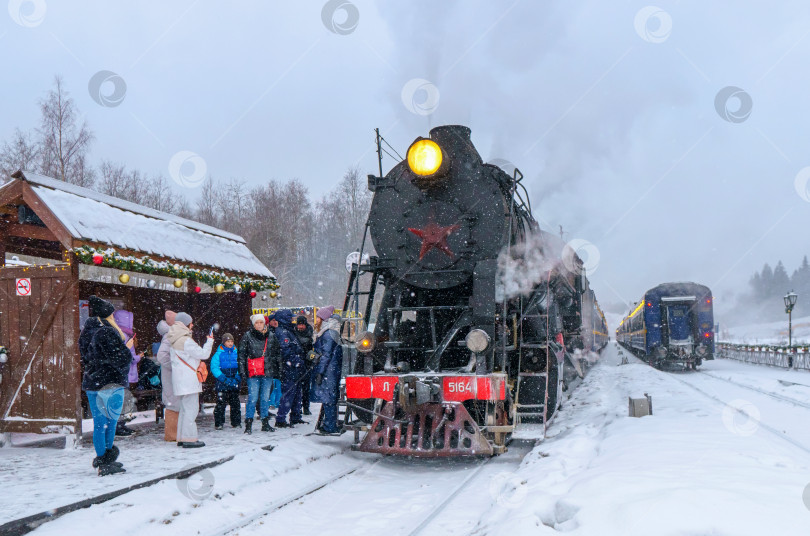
99 218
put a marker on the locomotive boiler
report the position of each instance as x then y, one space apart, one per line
482 319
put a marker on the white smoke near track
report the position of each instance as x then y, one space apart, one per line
526 265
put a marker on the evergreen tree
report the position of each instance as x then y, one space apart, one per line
765 282
780 284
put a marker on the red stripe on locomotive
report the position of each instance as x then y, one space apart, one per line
454 388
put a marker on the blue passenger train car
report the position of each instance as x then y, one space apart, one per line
672 323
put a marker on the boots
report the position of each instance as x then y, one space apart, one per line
108 458
248 426
106 463
110 469
170 424
266 425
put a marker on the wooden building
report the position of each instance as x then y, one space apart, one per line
62 243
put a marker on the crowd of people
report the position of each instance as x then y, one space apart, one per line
280 359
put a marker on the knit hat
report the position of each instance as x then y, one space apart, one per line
99 307
162 328
256 318
226 337
324 313
183 318
284 317
170 317
301 320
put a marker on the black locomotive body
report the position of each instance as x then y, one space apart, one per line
484 319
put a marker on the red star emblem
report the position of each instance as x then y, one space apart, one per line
434 236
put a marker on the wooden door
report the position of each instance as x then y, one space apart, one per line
39 325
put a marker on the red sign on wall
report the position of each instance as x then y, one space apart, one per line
23 287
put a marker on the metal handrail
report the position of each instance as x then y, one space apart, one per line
767 355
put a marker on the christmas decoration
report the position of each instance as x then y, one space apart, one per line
111 258
178 283
273 293
197 290
252 293
219 288
124 278
264 297
151 283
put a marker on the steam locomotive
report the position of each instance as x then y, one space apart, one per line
484 319
672 324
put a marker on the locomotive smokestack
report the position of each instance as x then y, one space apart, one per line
456 142
448 132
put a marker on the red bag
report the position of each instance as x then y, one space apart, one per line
256 364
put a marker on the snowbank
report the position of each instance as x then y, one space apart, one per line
694 467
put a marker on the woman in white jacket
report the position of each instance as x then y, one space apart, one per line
186 356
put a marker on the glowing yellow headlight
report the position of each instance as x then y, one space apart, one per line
424 157
366 342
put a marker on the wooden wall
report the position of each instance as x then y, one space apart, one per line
41 381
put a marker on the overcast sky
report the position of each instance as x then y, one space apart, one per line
608 108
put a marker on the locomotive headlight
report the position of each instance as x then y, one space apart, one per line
366 343
477 341
425 157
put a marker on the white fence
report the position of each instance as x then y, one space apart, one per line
774 356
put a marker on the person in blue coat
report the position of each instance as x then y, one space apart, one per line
293 370
328 371
225 368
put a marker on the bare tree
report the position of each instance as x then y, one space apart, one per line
159 195
64 143
21 153
206 206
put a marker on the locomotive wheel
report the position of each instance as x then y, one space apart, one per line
499 416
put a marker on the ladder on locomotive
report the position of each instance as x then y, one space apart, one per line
533 411
347 420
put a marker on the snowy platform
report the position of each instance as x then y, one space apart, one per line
39 479
720 455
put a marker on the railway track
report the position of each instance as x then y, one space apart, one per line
770 429
761 391
284 501
360 477
433 514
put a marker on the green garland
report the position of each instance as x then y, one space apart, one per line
146 265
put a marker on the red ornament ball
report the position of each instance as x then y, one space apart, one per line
98 259
197 290
252 293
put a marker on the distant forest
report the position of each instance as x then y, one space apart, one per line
768 286
304 241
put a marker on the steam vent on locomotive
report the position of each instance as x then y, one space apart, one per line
484 319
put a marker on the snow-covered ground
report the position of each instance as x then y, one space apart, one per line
775 333
34 480
697 466
716 458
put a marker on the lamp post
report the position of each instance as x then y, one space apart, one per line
790 301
